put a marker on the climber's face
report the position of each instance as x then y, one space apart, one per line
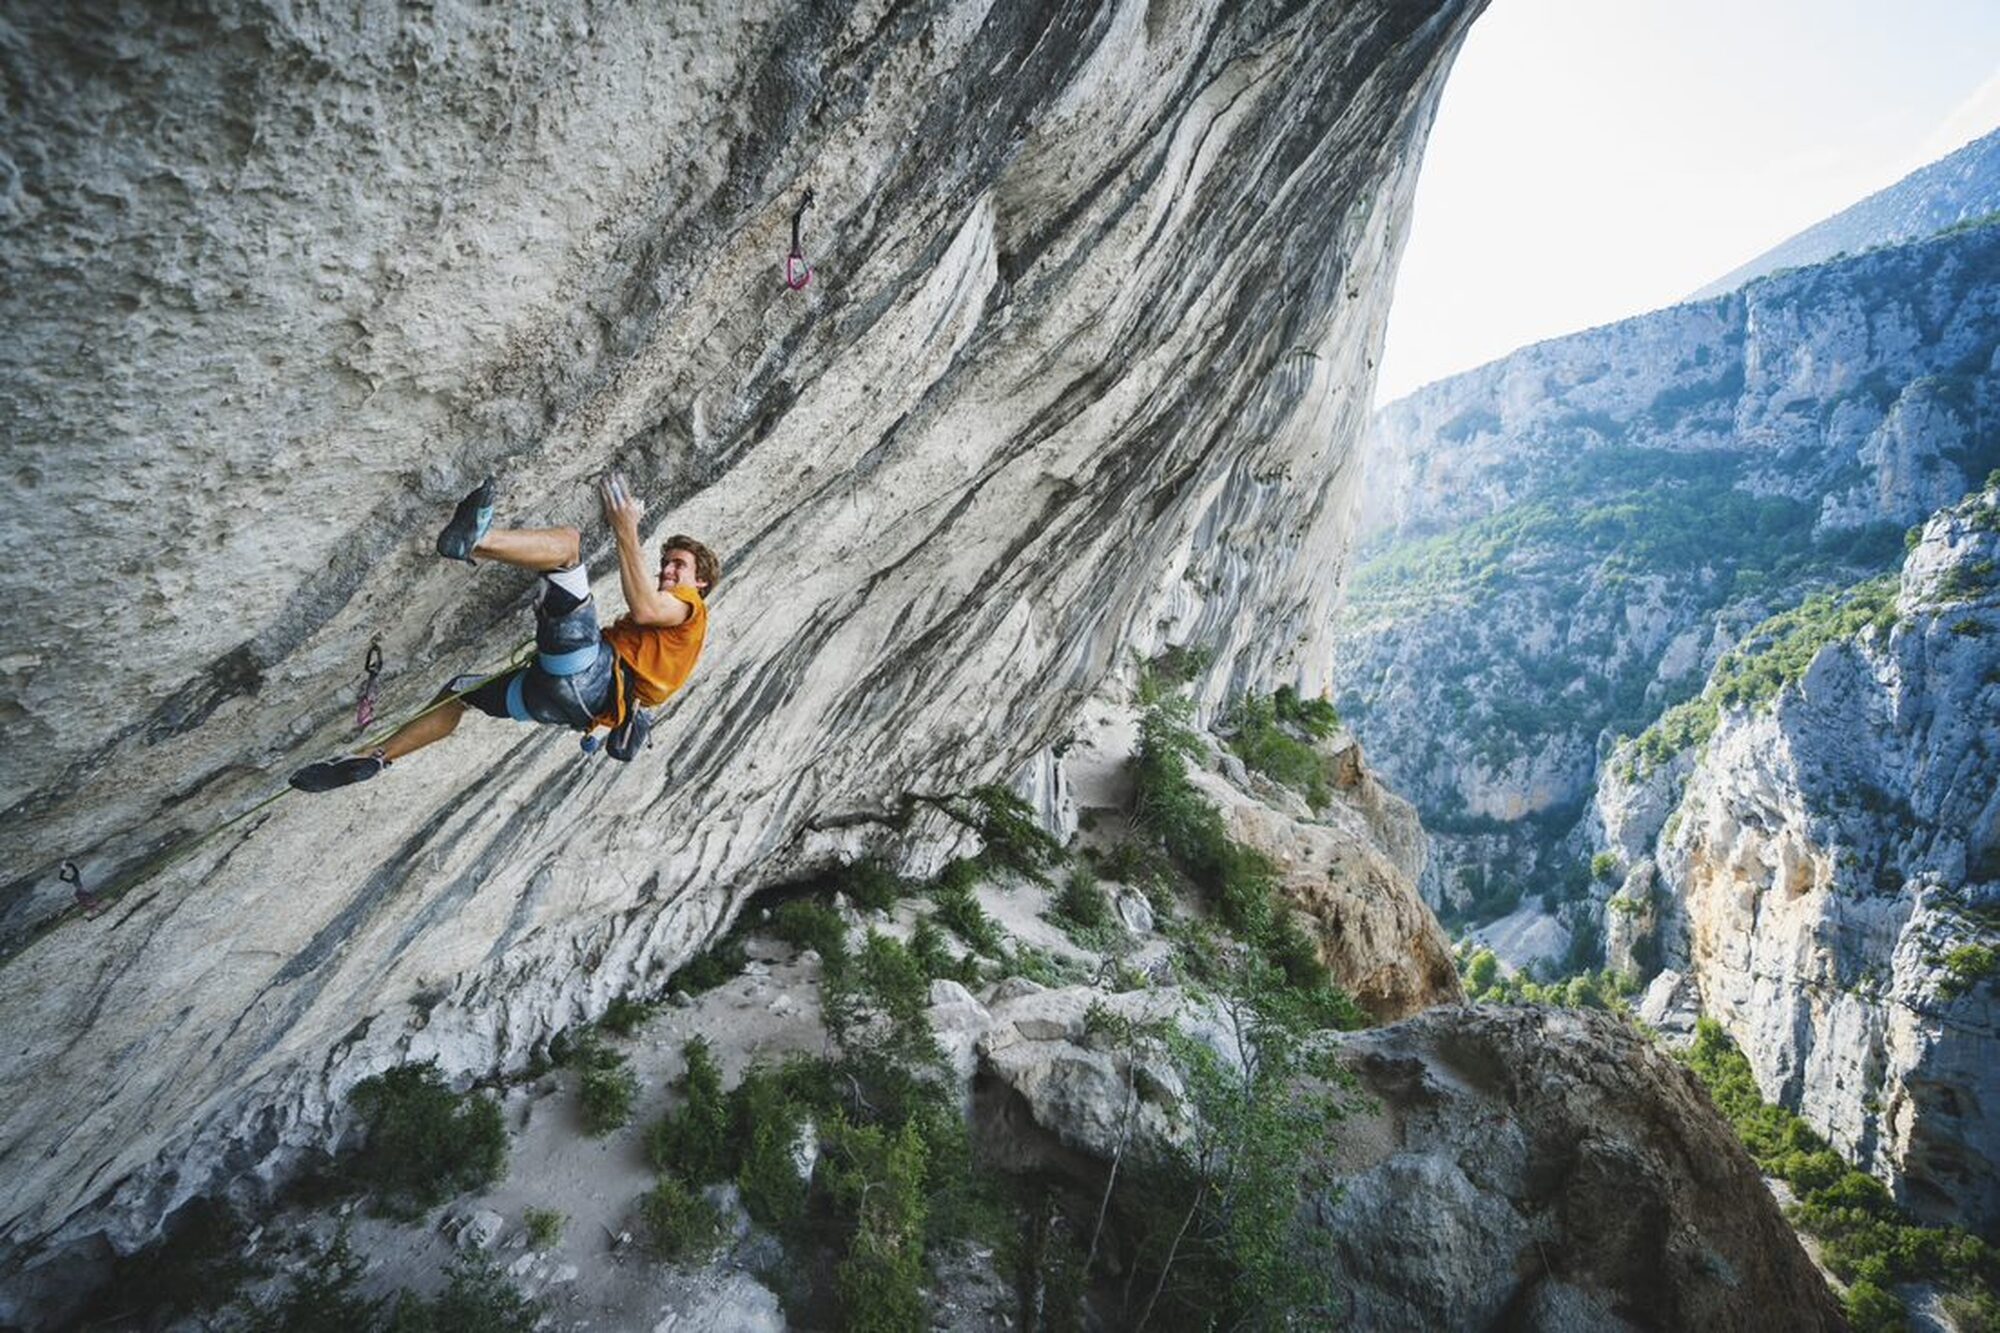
677 570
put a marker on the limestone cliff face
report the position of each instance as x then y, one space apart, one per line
1352 871
1561 544
1512 1167
1830 871
1082 369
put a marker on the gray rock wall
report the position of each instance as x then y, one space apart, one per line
1082 370
1830 872
1501 1167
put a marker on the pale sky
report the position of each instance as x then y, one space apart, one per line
1593 159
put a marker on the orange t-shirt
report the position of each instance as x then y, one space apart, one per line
662 655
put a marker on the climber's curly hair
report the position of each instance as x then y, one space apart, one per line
707 567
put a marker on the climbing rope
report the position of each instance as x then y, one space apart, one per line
797 272
90 904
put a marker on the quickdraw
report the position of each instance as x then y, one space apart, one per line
797 272
89 902
371 684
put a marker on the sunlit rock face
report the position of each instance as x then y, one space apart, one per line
1080 372
1830 874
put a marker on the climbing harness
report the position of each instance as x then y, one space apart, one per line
797 272
633 730
91 904
371 683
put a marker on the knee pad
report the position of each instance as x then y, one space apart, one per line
563 590
565 641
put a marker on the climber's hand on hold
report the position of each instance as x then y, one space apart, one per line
622 509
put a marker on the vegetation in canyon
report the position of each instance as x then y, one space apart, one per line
1862 1236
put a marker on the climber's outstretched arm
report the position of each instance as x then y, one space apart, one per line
648 604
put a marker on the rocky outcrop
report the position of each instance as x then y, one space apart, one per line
1829 878
1552 1169
1081 370
1560 545
1504 1167
1351 869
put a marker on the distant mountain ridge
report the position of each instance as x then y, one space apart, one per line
1956 188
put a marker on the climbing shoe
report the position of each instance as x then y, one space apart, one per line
469 523
330 773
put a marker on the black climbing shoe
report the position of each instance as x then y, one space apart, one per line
330 773
469 523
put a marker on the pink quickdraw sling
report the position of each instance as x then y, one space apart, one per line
85 899
797 272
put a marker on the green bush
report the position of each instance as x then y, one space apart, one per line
1966 966
1082 910
875 1012
693 1140
1873 1310
1316 717
478 1299
623 1016
1481 972
1042 967
1777 652
1130 861
876 1177
870 885
805 923
1864 1238
681 1224
325 1296
1264 743
1082 900
1604 866
545 1226
607 1096
1013 837
933 955
1170 672
1684 726
712 968
424 1142
1241 883
958 908
1221 1220
769 1119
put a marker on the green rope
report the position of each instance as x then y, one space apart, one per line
162 861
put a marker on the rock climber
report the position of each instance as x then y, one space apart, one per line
581 676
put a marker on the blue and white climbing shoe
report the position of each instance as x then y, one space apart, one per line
330 773
469 523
